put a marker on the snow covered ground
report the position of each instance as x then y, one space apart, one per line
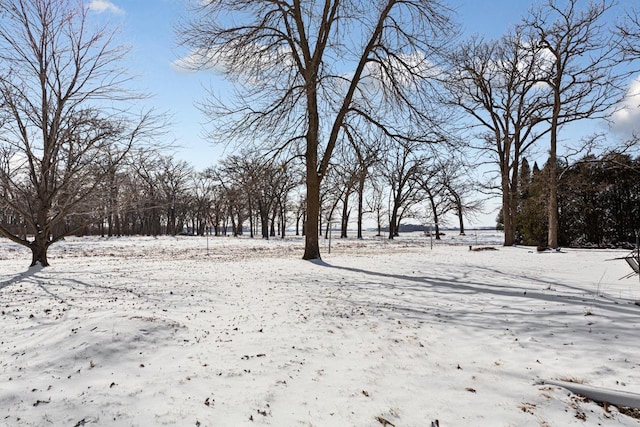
152 332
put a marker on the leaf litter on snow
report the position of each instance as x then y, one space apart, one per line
144 331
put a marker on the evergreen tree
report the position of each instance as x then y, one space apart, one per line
532 222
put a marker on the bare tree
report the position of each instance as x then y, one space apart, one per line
244 180
400 170
64 99
344 180
629 34
495 83
582 55
150 204
335 187
304 69
628 31
376 200
116 191
218 198
462 192
367 153
446 186
203 198
430 180
261 185
300 213
286 179
174 179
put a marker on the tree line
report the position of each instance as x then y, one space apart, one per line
391 121
154 194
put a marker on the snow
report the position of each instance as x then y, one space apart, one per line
147 331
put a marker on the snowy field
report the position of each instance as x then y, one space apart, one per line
167 332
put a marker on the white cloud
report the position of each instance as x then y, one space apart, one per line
195 60
627 119
100 6
255 62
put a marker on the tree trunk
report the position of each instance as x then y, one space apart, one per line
39 249
234 228
393 223
264 220
461 220
360 204
274 214
272 227
264 224
109 225
117 224
239 231
345 218
311 232
459 213
250 219
171 222
256 221
304 223
434 210
553 179
327 229
283 221
507 214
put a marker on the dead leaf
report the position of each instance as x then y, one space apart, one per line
385 422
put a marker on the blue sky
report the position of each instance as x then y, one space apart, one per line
148 27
